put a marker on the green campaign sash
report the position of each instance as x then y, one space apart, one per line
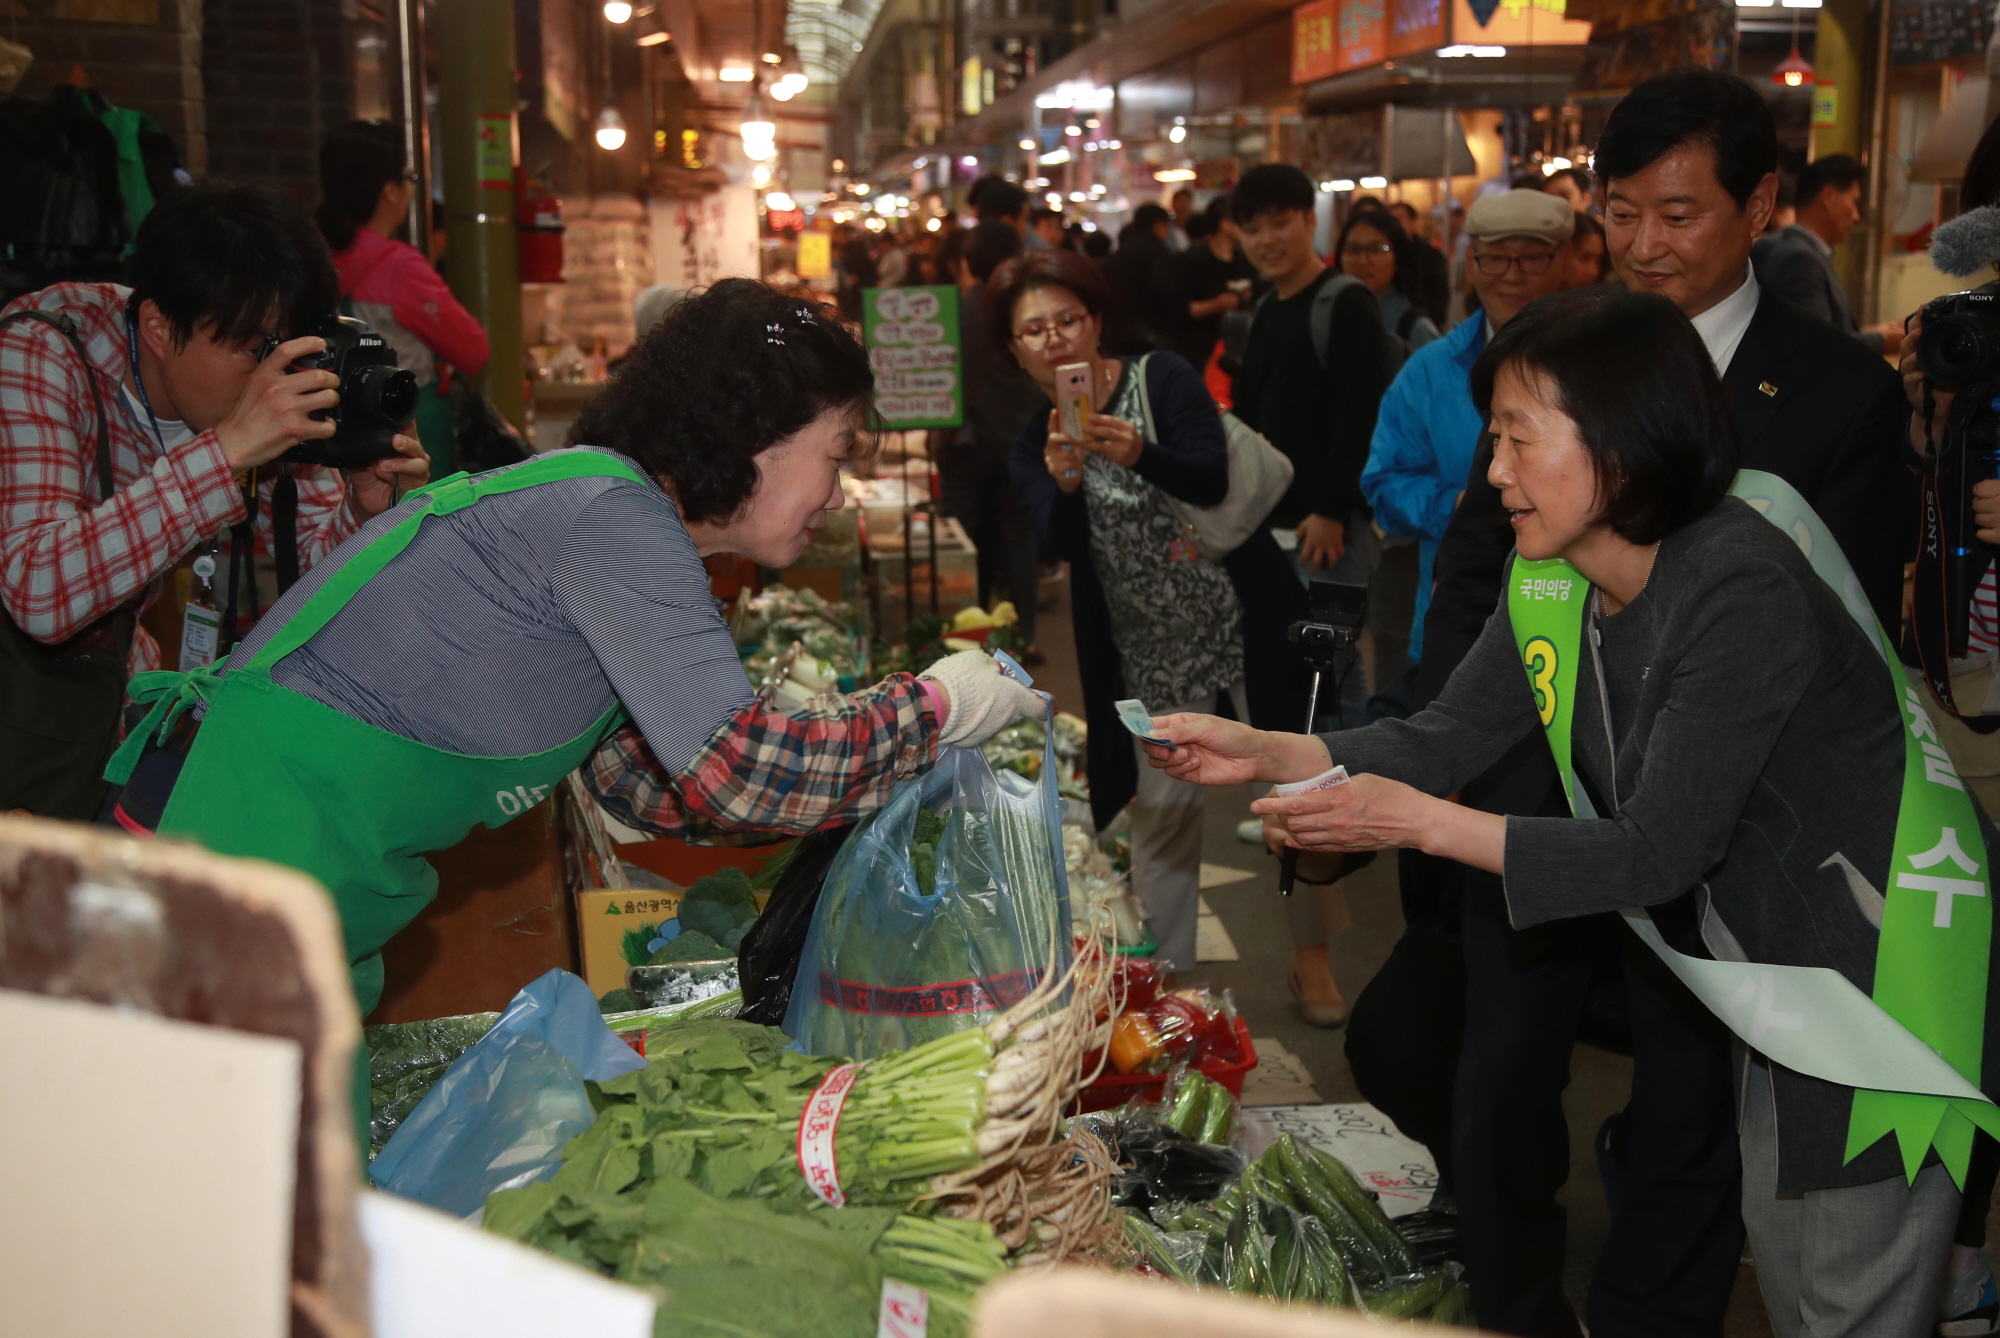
1913 1051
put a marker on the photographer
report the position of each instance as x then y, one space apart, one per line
189 368
1966 721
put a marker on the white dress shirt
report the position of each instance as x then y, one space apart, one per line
1721 327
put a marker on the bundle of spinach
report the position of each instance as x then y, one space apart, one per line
727 1268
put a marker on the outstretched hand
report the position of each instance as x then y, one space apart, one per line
1208 750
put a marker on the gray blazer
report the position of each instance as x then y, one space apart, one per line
1792 264
1758 762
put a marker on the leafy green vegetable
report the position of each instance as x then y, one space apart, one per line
635 944
691 946
405 1060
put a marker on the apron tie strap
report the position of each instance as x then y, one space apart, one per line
171 694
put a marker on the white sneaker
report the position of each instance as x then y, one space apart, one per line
1250 831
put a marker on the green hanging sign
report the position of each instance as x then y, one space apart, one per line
1913 1051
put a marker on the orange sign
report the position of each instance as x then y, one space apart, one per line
1363 34
1515 23
1314 53
1415 26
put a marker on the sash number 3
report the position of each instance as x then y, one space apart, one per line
1539 655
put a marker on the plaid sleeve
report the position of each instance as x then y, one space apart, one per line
67 558
831 760
325 519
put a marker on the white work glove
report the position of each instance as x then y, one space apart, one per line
984 701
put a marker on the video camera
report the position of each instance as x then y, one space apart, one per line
1958 351
376 396
1328 635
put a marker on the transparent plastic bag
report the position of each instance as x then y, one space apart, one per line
406 1059
908 945
501 1113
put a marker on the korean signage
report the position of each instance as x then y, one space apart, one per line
1333 36
912 337
1314 54
1515 23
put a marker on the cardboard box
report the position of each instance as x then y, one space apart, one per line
604 917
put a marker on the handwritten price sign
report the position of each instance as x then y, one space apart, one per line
912 336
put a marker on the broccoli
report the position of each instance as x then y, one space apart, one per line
691 946
619 1001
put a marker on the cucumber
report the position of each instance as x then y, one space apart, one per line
1219 1113
1288 1273
1190 1105
1357 1249
1406 1298
1366 1212
1324 1272
1454 1307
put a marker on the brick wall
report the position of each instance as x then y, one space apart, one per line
143 54
277 76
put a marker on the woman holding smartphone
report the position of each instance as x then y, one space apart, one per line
1154 619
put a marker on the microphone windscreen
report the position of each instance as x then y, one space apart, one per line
1967 244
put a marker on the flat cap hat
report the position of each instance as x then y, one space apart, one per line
1520 213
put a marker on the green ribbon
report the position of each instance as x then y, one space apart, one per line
1937 916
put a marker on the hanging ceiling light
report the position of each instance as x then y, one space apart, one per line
610 129
618 11
760 135
789 86
1794 71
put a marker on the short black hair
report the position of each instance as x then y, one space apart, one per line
1579 175
733 370
1040 212
1043 267
990 245
996 197
1379 218
1842 171
239 261
1096 245
1659 429
1692 107
1199 226
1271 188
355 163
1150 215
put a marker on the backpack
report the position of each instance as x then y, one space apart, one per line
62 215
1320 321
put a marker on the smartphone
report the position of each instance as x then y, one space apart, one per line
1074 401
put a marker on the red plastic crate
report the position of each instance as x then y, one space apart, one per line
1115 1089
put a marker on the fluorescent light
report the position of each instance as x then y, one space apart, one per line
1090 147
1800 4
736 74
773 58
1073 131
1374 183
1114 143
618 11
1028 144
1338 184
656 39
1174 174
1098 189
1055 158
1055 199
1036 184
1561 164
968 160
1487 51
780 202
789 87
1077 197
1755 4
861 188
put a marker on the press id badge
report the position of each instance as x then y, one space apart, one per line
201 631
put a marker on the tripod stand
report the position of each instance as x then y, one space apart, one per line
1329 641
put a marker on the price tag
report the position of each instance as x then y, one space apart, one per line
906 1310
201 630
817 1125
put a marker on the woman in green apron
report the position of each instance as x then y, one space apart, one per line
1742 750
365 187
462 653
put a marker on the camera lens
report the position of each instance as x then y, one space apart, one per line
390 392
1956 351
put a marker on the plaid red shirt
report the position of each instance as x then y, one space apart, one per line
831 760
68 558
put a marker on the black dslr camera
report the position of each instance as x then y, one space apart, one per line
1960 344
376 396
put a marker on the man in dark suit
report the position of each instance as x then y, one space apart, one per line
1689 159
1797 262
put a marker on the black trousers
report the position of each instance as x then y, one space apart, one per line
1481 1084
979 492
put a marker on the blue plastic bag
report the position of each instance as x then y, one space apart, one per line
500 1115
889 964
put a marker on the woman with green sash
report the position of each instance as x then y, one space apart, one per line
448 665
1742 752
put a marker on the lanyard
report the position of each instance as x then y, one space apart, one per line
240 534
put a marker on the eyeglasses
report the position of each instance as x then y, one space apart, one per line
1362 250
1036 333
1534 264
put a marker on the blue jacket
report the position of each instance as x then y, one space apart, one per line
1425 435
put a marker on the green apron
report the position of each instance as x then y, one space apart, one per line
275 775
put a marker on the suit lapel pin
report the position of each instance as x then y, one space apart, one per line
1768 388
